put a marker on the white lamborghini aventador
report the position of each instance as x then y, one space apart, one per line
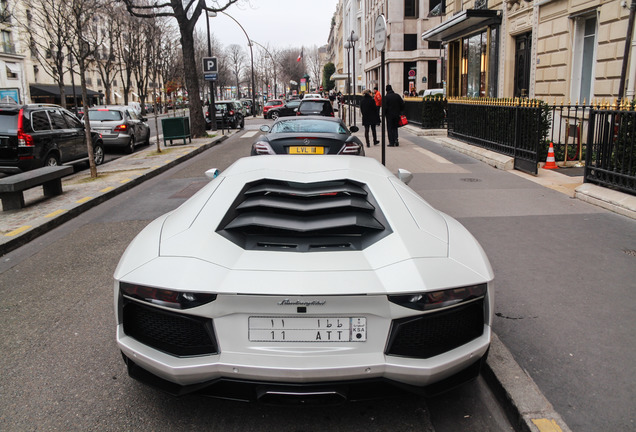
304 277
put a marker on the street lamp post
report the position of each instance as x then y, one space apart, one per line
347 46
212 106
273 66
353 38
249 43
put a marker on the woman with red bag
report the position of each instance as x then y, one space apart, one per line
392 108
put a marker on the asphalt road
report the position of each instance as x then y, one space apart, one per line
61 369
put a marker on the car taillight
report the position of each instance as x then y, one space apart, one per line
166 298
263 148
24 140
121 128
231 112
350 148
439 299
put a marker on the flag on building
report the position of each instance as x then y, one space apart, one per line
300 57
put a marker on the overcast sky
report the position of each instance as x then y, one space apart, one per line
275 23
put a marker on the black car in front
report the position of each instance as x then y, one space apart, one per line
312 135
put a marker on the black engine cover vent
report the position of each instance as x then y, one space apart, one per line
304 217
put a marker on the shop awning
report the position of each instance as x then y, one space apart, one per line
338 77
462 24
43 90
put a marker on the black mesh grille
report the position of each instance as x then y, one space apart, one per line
432 334
304 217
174 333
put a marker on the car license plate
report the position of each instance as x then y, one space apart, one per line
306 150
307 329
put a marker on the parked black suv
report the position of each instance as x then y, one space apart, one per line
36 135
321 107
229 114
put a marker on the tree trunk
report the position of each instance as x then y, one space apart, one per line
197 121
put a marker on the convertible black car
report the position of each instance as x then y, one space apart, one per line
312 135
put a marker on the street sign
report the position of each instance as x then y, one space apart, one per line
211 76
210 65
380 33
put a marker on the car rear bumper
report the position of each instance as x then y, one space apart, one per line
120 140
329 392
188 374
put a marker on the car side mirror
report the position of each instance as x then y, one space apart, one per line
144 119
212 173
354 129
265 128
405 176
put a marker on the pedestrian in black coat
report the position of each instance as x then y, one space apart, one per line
392 107
370 117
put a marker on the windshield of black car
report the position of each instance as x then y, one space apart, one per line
104 115
312 126
312 106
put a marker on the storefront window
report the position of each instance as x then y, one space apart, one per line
475 66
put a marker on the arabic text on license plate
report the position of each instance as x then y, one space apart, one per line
307 329
306 150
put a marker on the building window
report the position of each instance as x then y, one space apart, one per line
410 8
89 81
7 44
436 8
584 55
12 70
410 42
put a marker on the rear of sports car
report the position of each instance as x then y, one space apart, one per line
304 278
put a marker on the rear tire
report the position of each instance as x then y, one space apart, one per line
98 153
274 116
51 159
130 148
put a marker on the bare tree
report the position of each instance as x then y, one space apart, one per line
236 59
291 70
125 42
314 65
86 35
186 14
106 54
47 26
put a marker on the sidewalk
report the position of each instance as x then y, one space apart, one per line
573 186
80 192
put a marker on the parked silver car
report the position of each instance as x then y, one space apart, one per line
120 126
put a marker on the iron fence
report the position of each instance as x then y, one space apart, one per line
515 130
611 158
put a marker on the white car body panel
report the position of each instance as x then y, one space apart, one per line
426 251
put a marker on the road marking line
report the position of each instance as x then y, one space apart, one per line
18 231
545 425
83 200
249 134
125 180
435 157
55 213
107 189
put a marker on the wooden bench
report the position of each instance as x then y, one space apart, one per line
50 178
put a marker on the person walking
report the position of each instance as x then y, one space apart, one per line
392 108
370 117
377 97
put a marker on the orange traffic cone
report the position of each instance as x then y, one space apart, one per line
549 162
